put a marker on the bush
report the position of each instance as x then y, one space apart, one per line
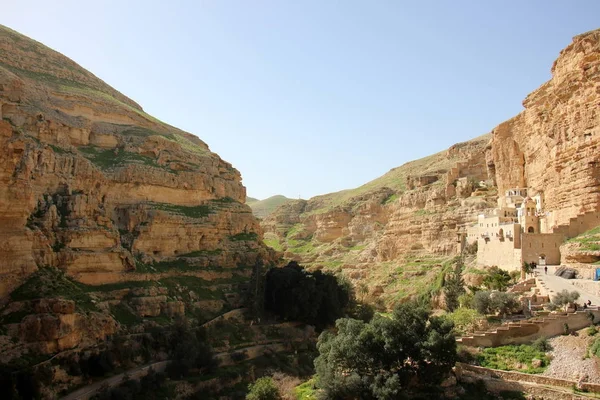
592 330
565 297
482 302
466 320
515 276
541 344
595 348
496 279
263 389
504 303
239 356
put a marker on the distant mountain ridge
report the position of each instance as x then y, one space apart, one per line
264 208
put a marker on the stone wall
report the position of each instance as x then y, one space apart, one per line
529 330
579 224
534 245
463 370
498 252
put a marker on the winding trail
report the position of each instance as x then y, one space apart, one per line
136 373
224 359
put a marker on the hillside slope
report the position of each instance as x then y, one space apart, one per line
263 208
96 188
396 233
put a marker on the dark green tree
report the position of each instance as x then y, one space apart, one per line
482 302
454 286
386 357
314 298
497 279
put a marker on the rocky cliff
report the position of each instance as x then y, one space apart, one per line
390 234
552 146
93 186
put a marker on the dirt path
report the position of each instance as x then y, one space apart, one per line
136 373
224 359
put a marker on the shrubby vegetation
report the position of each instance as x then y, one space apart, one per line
486 302
564 297
263 389
315 298
387 356
454 287
466 320
523 358
497 279
188 349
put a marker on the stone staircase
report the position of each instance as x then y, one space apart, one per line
528 330
523 286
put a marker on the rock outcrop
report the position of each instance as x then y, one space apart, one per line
552 146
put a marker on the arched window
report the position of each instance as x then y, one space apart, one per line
530 230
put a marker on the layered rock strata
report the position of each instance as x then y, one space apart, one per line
91 184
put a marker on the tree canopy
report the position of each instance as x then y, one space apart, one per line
316 298
382 358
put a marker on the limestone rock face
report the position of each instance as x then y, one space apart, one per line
91 184
552 146
54 326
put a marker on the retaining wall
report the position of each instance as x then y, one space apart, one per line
528 330
462 369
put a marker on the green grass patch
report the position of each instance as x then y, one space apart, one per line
358 247
124 315
144 132
108 159
298 228
200 211
244 236
109 287
300 247
422 212
390 199
52 283
306 390
274 244
234 333
201 253
589 240
59 150
513 358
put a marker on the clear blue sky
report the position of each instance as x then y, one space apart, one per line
311 97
